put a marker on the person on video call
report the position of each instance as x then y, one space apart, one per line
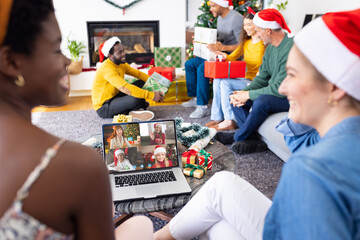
160 158
157 137
120 162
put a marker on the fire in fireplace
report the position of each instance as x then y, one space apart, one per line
138 38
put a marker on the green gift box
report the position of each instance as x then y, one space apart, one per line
167 57
157 83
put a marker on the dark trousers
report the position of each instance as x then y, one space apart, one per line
196 83
122 103
262 107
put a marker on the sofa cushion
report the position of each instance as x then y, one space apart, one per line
274 140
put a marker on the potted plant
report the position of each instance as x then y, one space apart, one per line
75 48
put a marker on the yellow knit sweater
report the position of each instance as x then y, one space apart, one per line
109 81
253 54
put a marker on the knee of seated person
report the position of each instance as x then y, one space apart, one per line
261 101
189 64
223 177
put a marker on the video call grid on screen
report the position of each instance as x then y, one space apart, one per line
130 146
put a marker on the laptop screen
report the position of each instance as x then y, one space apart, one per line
138 146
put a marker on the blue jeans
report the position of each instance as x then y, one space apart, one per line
196 83
261 107
222 88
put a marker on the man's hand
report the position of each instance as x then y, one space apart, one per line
158 97
239 98
218 46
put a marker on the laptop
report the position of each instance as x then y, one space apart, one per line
143 160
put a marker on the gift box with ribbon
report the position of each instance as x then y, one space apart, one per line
167 57
157 83
189 157
194 170
203 37
205 159
215 69
168 72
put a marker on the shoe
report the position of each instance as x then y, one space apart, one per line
200 112
248 146
212 123
225 137
231 127
144 115
190 103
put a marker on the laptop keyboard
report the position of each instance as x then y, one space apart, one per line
144 178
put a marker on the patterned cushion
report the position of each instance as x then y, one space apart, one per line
168 57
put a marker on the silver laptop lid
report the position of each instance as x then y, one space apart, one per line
139 146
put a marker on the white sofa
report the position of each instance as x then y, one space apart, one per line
274 140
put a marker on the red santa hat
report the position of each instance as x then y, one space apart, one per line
223 3
108 45
332 45
159 149
270 18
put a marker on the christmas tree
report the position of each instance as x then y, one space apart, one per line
132 131
206 19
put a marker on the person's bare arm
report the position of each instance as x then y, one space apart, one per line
93 214
218 46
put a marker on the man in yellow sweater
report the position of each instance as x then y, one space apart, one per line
111 94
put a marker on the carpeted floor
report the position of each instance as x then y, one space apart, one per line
261 169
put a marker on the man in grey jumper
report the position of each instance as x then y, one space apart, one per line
229 25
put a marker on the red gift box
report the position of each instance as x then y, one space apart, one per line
236 69
205 159
168 72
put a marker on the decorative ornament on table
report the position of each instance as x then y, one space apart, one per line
194 136
128 3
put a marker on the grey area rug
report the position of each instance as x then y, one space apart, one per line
260 169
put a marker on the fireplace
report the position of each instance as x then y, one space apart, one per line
138 38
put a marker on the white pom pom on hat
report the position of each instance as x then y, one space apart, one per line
109 44
332 45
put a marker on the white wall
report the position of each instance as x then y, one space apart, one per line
297 9
72 16
193 11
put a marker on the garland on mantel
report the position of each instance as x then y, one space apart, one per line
122 7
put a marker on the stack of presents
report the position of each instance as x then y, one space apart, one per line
196 163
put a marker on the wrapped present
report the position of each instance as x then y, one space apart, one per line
205 35
201 50
194 170
189 157
122 118
177 91
202 37
236 69
168 72
205 159
167 57
157 83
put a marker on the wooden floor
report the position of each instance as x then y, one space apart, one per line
84 103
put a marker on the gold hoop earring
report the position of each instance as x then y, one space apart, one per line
20 81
